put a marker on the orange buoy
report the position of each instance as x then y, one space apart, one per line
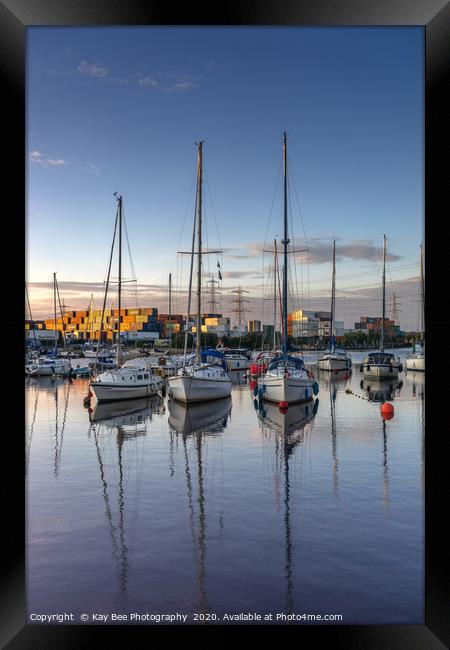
387 410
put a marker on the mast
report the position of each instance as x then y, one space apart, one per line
31 315
422 296
170 309
285 243
384 293
333 298
119 198
199 250
91 314
274 294
54 305
62 314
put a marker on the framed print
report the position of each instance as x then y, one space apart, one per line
234 263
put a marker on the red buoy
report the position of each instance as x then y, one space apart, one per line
387 411
283 406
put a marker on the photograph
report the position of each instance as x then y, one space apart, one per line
225 345
225 265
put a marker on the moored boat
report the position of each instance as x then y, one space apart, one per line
206 378
382 364
287 379
333 358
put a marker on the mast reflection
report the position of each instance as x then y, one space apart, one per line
289 428
128 421
198 422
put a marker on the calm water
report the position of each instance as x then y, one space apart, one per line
150 507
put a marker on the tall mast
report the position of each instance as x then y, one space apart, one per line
422 296
54 305
384 293
274 294
31 315
285 243
170 309
91 315
119 199
199 251
333 297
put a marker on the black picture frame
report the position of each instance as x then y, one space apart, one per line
434 16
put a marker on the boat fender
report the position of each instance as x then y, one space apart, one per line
315 388
255 389
306 394
255 404
260 392
316 406
264 388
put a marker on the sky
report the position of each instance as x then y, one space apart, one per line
120 109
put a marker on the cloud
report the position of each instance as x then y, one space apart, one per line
241 274
168 82
93 70
37 158
320 251
148 81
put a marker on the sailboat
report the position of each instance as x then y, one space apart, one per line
416 360
207 377
51 364
261 363
333 358
287 379
134 378
382 364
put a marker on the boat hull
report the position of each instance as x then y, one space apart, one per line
48 371
285 389
415 363
189 389
237 364
331 364
382 371
110 391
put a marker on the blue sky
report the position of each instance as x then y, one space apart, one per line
120 109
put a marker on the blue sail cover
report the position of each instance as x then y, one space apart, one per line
287 359
210 355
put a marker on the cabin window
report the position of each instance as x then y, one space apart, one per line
145 376
139 376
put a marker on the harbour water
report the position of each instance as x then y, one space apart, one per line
149 507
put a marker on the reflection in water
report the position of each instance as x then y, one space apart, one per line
381 390
333 394
30 437
128 420
288 428
60 434
328 378
385 465
199 421
417 382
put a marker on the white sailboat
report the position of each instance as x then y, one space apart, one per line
382 364
51 364
287 379
416 360
134 379
334 359
204 379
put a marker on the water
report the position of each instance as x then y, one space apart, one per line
224 508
